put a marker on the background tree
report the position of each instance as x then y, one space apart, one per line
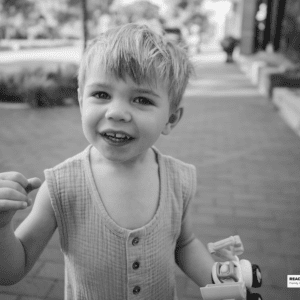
12 15
87 9
142 9
84 14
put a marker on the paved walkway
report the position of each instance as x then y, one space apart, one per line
248 164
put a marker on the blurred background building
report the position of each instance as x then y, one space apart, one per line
265 25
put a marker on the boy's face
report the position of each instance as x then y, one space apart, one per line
121 119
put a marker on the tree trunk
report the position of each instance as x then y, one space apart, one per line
84 22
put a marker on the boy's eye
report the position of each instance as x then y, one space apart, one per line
101 95
143 101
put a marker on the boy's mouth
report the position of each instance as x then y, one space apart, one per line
116 137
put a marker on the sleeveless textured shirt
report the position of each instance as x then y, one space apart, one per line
104 261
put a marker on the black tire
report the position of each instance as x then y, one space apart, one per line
256 275
253 296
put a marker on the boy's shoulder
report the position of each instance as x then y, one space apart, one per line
75 160
181 176
175 163
184 173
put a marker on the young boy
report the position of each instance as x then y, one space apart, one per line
121 207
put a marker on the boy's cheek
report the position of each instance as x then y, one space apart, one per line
89 116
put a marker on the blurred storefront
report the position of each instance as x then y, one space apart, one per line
272 25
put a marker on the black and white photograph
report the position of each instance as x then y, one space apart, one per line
149 149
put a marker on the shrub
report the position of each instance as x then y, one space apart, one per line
228 43
40 87
10 89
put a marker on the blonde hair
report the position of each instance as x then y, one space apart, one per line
136 51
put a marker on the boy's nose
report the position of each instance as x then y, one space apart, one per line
118 111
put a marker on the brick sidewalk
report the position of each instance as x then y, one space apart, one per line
248 164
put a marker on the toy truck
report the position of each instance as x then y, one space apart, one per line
232 278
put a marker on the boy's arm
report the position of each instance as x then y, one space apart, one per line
19 250
196 262
37 229
11 256
193 257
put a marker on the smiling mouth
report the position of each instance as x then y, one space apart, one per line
117 137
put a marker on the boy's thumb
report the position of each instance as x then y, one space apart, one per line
33 183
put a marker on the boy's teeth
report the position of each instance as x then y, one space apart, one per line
117 135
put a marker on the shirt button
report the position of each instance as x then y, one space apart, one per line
135 241
136 290
135 265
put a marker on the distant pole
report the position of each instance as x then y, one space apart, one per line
278 24
267 32
84 22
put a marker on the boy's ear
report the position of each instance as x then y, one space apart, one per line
173 121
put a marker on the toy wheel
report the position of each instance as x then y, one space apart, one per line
257 278
247 273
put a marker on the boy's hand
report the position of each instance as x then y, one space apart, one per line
14 190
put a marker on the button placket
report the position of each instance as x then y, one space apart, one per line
134 263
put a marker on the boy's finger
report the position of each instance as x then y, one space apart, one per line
33 183
11 199
13 185
14 176
7 205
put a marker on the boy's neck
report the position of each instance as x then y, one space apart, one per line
141 161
